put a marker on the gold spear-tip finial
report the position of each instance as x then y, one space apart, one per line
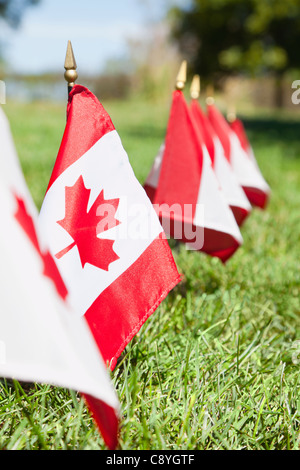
210 94
181 77
70 66
231 113
195 87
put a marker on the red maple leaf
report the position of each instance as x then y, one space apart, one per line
84 226
50 269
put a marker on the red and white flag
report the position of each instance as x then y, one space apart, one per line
244 167
185 192
101 227
234 194
41 340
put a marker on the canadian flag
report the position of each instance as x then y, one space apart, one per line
238 127
233 192
185 192
245 168
101 227
41 340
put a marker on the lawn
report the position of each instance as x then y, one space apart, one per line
217 365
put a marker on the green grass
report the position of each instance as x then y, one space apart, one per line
217 365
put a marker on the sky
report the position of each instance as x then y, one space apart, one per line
98 29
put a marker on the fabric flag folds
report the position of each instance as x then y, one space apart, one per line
101 227
244 167
185 191
233 192
41 340
259 198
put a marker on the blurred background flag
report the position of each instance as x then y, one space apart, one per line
259 199
244 167
101 227
233 192
43 340
184 189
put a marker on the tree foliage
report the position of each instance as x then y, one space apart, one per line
228 36
12 10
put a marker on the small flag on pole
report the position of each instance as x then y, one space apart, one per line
233 192
245 169
185 192
41 338
101 227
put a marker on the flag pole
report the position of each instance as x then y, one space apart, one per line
231 113
181 77
179 85
195 87
70 66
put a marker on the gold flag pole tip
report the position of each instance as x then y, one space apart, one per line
70 66
181 77
195 87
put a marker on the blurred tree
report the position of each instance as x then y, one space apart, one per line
12 10
229 36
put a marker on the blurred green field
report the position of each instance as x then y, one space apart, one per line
217 365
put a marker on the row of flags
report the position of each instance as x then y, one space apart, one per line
205 178
79 279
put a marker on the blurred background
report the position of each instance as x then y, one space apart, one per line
247 48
